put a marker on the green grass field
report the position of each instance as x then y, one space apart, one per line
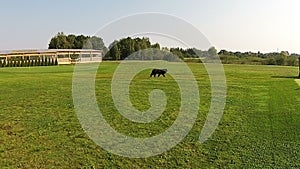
260 127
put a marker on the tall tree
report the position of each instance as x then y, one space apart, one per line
212 52
156 45
71 40
115 52
61 41
79 41
87 44
97 43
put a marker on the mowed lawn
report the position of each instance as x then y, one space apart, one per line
260 127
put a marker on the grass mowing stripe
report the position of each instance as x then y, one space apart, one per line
285 118
297 81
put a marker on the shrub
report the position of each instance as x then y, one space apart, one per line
34 62
27 62
49 62
193 60
21 63
43 62
56 62
9 64
38 62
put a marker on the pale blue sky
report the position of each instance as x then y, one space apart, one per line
245 25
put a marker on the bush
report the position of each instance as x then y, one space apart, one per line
56 62
49 62
193 60
43 62
27 64
34 62
38 63
228 59
292 61
21 63
9 64
270 61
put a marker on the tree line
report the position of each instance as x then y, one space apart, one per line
283 58
142 49
121 49
136 47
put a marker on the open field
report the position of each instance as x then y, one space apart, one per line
260 127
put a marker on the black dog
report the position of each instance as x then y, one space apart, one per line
159 72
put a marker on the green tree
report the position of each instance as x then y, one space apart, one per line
59 42
80 41
127 46
212 52
145 43
156 45
53 43
97 43
280 60
115 53
177 52
71 41
87 44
